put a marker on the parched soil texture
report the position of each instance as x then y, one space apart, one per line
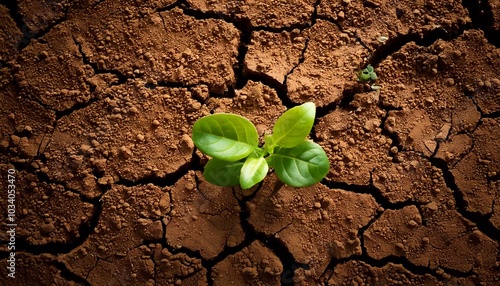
97 102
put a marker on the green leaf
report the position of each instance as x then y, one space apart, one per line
364 76
294 125
253 171
222 173
302 165
269 144
227 137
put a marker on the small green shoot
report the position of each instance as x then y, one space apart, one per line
368 74
232 142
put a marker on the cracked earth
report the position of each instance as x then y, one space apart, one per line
97 103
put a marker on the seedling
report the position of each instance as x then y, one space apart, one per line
368 74
232 142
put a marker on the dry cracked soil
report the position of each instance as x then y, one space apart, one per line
97 103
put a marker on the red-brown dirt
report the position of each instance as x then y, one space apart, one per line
98 99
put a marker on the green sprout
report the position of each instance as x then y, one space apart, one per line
232 142
368 74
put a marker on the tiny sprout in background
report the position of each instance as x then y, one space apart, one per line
369 75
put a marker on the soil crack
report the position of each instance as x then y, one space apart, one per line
424 39
493 115
379 263
165 181
403 261
121 77
393 45
67 274
370 190
482 221
169 7
155 266
481 14
286 101
243 75
241 21
15 83
57 248
277 246
28 35
176 250
81 105
13 7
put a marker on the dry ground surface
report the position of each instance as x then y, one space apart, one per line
97 103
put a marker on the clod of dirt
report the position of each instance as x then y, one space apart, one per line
429 239
495 217
253 265
495 9
178 268
454 149
413 179
255 101
129 216
275 14
330 63
374 18
40 15
357 272
46 213
10 36
132 267
477 174
148 265
353 140
41 269
274 54
56 57
204 217
103 138
474 68
441 92
310 222
420 129
158 49
460 70
25 126
146 6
